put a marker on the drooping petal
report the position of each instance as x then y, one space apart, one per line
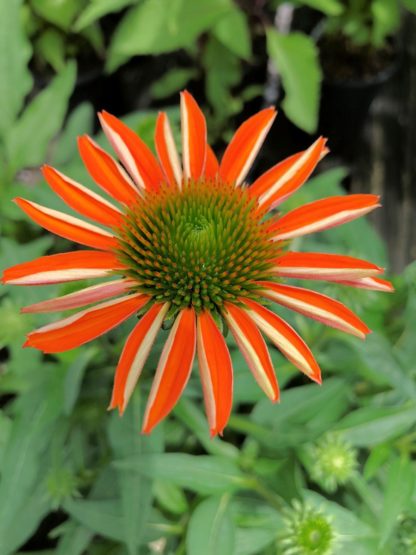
85 325
328 267
317 306
67 226
322 214
134 355
135 155
106 172
370 283
84 297
173 370
285 338
254 349
216 373
81 199
166 150
60 268
244 146
286 177
211 165
194 137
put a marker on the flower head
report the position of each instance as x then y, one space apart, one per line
190 241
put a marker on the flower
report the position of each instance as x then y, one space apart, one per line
307 531
191 243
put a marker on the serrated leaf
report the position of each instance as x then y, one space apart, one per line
15 53
296 59
211 529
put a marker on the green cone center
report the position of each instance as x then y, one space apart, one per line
199 246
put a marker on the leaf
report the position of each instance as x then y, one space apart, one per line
50 46
208 475
136 491
210 528
79 123
59 12
296 59
328 7
373 425
74 376
386 20
15 53
171 82
397 492
28 141
150 28
232 31
99 8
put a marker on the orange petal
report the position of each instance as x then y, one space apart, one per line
134 355
88 295
254 349
194 137
244 146
329 267
67 226
283 179
371 283
166 150
316 306
135 155
173 370
60 268
81 199
106 172
322 214
285 339
216 373
84 326
211 165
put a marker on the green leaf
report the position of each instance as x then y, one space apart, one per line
233 31
73 379
28 141
296 59
397 492
96 9
79 122
15 53
386 20
59 12
328 7
410 5
150 28
170 497
373 425
171 82
211 529
208 475
50 46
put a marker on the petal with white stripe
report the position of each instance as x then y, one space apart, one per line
370 283
166 150
194 137
253 348
285 339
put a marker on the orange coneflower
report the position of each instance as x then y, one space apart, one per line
192 243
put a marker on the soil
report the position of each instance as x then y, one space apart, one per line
344 61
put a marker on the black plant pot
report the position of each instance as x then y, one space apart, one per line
344 109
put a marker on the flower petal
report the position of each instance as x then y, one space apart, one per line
317 306
211 165
134 355
60 268
329 267
371 283
135 155
81 199
173 370
244 146
254 349
166 150
322 214
106 172
194 137
216 373
67 226
283 179
285 338
86 296
85 325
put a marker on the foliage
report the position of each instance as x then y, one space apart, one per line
86 476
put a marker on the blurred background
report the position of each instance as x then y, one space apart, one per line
75 479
